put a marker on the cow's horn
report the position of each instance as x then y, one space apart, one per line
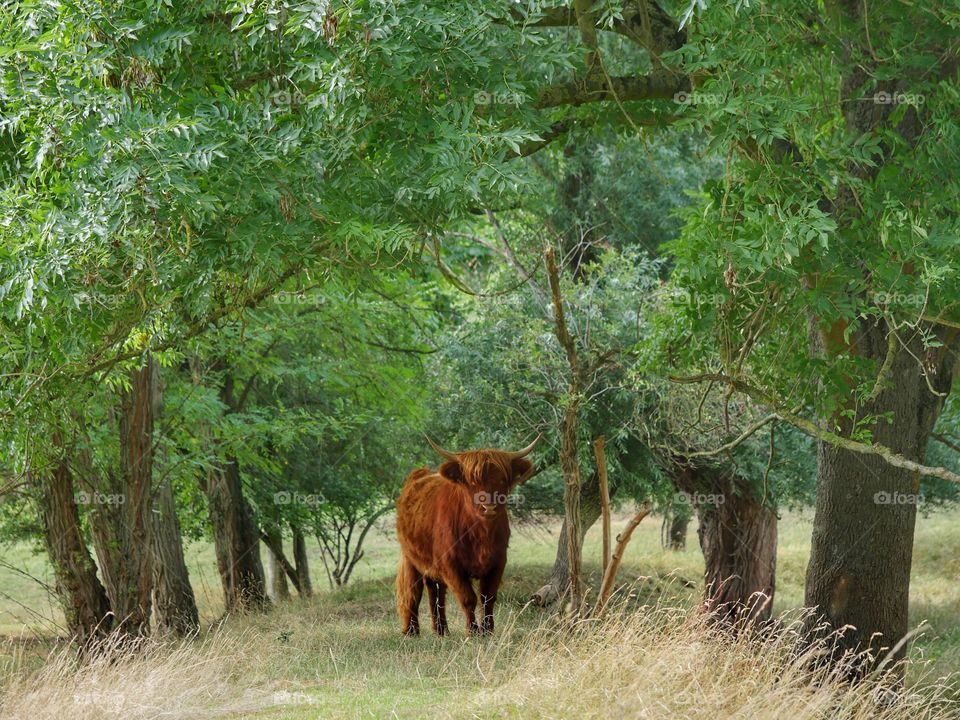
526 451
440 451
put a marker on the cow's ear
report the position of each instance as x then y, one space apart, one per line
452 471
522 469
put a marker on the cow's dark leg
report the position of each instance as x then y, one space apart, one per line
462 587
489 585
409 592
437 590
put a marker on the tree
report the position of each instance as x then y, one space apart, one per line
723 469
175 607
235 533
81 594
344 373
121 514
831 243
518 361
166 171
608 189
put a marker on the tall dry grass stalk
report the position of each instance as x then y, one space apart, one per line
665 662
178 680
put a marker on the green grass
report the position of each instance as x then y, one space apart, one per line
340 654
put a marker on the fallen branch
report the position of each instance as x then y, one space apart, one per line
604 499
610 575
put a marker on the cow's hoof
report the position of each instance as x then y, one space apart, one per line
411 632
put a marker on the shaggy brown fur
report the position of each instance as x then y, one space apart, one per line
453 528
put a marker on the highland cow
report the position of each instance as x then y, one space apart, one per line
453 528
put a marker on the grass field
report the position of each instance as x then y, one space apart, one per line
340 654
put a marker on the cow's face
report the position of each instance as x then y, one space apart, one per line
489 476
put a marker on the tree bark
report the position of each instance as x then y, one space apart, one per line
276 573
570 463
236 538
300 561
559 579
175 606
121 516
81 595
173 599
739 543
858 577
738 536
675 531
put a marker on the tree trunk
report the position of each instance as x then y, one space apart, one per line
236 538
121 517
300 561
82 596
173 599
675 531
274 542
738 538
559 579
276 573
569 453
858 577
237 541
570 462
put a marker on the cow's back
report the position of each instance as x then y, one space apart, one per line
429 511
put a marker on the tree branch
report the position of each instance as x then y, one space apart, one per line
939 320
359 546
526 149
587 24
818 433
944 440
750 430
560 128
560 322
598 445
642 21
658 85
277 550
610 575
201 325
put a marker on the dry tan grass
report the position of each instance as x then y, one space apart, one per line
340 655
181 680
647 662
666 663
